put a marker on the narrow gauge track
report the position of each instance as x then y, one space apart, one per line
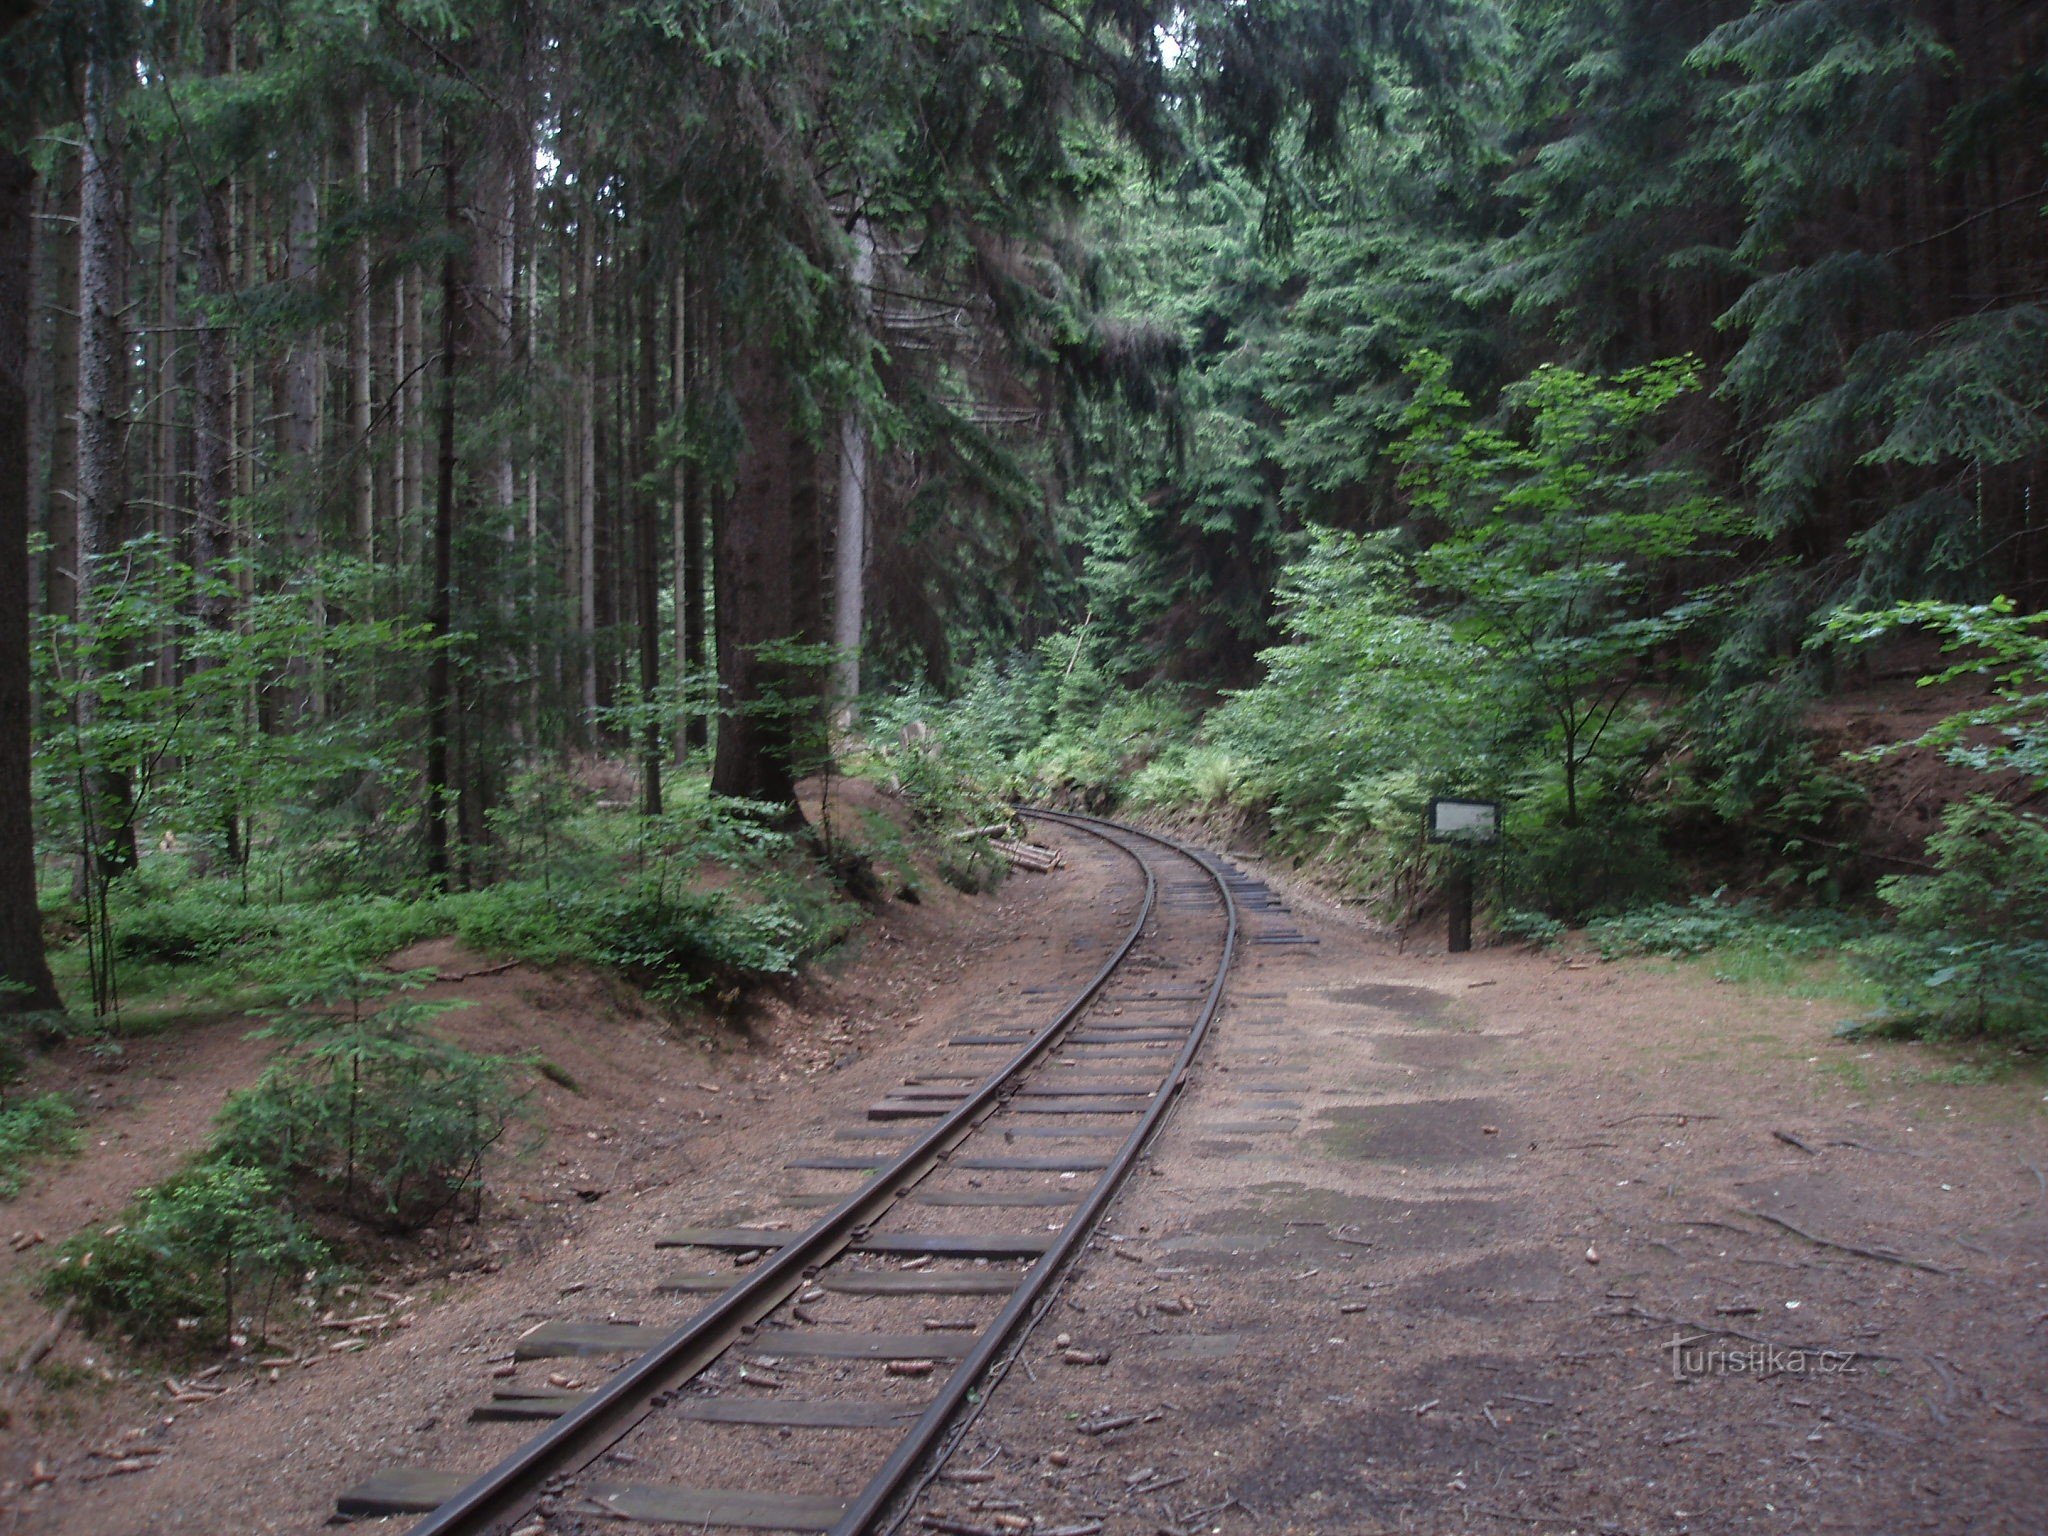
1057 1125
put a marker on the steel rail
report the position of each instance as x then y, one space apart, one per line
596 1424
888 1482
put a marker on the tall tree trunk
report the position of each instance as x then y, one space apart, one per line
757 593
103 391
25 983
441 584
570 417
363 516
60 566
696 509
213 399
412 133
647 577
165 480
849 555
585 582
40 338
679 499
302 375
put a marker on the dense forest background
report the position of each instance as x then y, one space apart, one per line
469 462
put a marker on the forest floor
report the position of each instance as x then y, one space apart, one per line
1413 1253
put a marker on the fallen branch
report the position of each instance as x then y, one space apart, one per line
488 970
43 1343
969 834
1882 1256
1793 1141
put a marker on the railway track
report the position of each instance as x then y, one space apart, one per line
986 1175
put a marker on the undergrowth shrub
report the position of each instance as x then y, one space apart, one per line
1535 928
386 1122
973 866
945 761
1198 776
1676 930
680 944
1609 865
208 1253
1968 952
37 1126
195 922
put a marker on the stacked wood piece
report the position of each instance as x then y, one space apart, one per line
1029 855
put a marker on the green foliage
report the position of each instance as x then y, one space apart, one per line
1198 777
40 1125
2005 648
1565 537
1535 928
388 1122
1575 870
944 760
1709 923
1968 954
680 944
590 886
207 1254
193 922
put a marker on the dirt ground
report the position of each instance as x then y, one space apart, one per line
1509 1242
1411 1255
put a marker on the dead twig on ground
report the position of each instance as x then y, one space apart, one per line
1793 1141
1880 1255
488 970
40 1346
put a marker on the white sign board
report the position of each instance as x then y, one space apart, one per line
1464 821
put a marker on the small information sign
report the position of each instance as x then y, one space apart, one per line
1464 821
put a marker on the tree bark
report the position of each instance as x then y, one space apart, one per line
25 983
647 578
584 583
679 498
103 389
441 584
696 512
165 480
363 515
759 694
60 566
302 375
849 552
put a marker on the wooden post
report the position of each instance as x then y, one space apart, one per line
1458 898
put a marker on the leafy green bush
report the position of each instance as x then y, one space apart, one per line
1192 776
1613 863
33 1127
1969 950
1530 927
972 866
357 931
213 1248
1708 923
1674 931
196 922
679 944
388 1122
520 918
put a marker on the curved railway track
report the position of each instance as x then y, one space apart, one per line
1043 1125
